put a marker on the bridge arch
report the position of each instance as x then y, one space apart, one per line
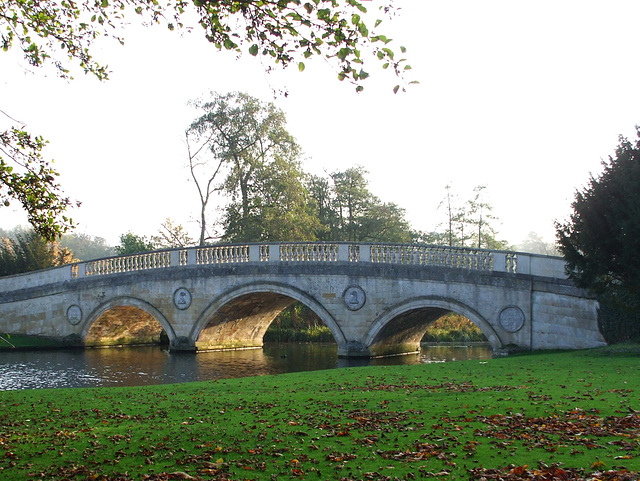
240 317
400 329
127 302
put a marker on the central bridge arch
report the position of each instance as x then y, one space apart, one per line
400 329
241 316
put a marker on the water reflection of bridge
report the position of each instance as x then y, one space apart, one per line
377 299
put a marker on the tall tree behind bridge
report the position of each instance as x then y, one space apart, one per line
131 243
348 211
481 220
469 223
253 162
269 202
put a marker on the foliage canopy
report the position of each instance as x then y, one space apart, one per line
27 177
133 244
284 31
601 239
247 141
26 251
349 211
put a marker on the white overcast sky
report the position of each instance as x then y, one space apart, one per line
525 97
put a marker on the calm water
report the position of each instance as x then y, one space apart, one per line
136 366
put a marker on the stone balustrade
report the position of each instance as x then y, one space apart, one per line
136 262
329 252
303 252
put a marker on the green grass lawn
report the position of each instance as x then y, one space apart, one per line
560 415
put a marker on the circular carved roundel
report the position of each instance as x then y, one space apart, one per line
511 319
74 314
182 298
354 297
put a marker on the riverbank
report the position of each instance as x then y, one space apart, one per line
11 342
540 411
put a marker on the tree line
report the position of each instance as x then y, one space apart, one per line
335 207
239 149
241 155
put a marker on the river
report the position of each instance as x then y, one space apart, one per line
137 366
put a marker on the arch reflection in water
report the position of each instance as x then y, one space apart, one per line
137 366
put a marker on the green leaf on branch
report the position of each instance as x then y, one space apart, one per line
229 44
343 53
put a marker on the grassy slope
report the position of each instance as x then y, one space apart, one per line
439 420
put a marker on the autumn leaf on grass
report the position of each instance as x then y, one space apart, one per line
553 472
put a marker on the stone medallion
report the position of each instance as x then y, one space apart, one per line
511 319
354 297
182 298
74 314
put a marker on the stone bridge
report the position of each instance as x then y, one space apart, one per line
377 299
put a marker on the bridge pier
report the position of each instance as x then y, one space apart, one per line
182 344
353 349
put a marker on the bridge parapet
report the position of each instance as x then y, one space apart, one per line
321 252
301 252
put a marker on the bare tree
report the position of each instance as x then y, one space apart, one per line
454 216
204 166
